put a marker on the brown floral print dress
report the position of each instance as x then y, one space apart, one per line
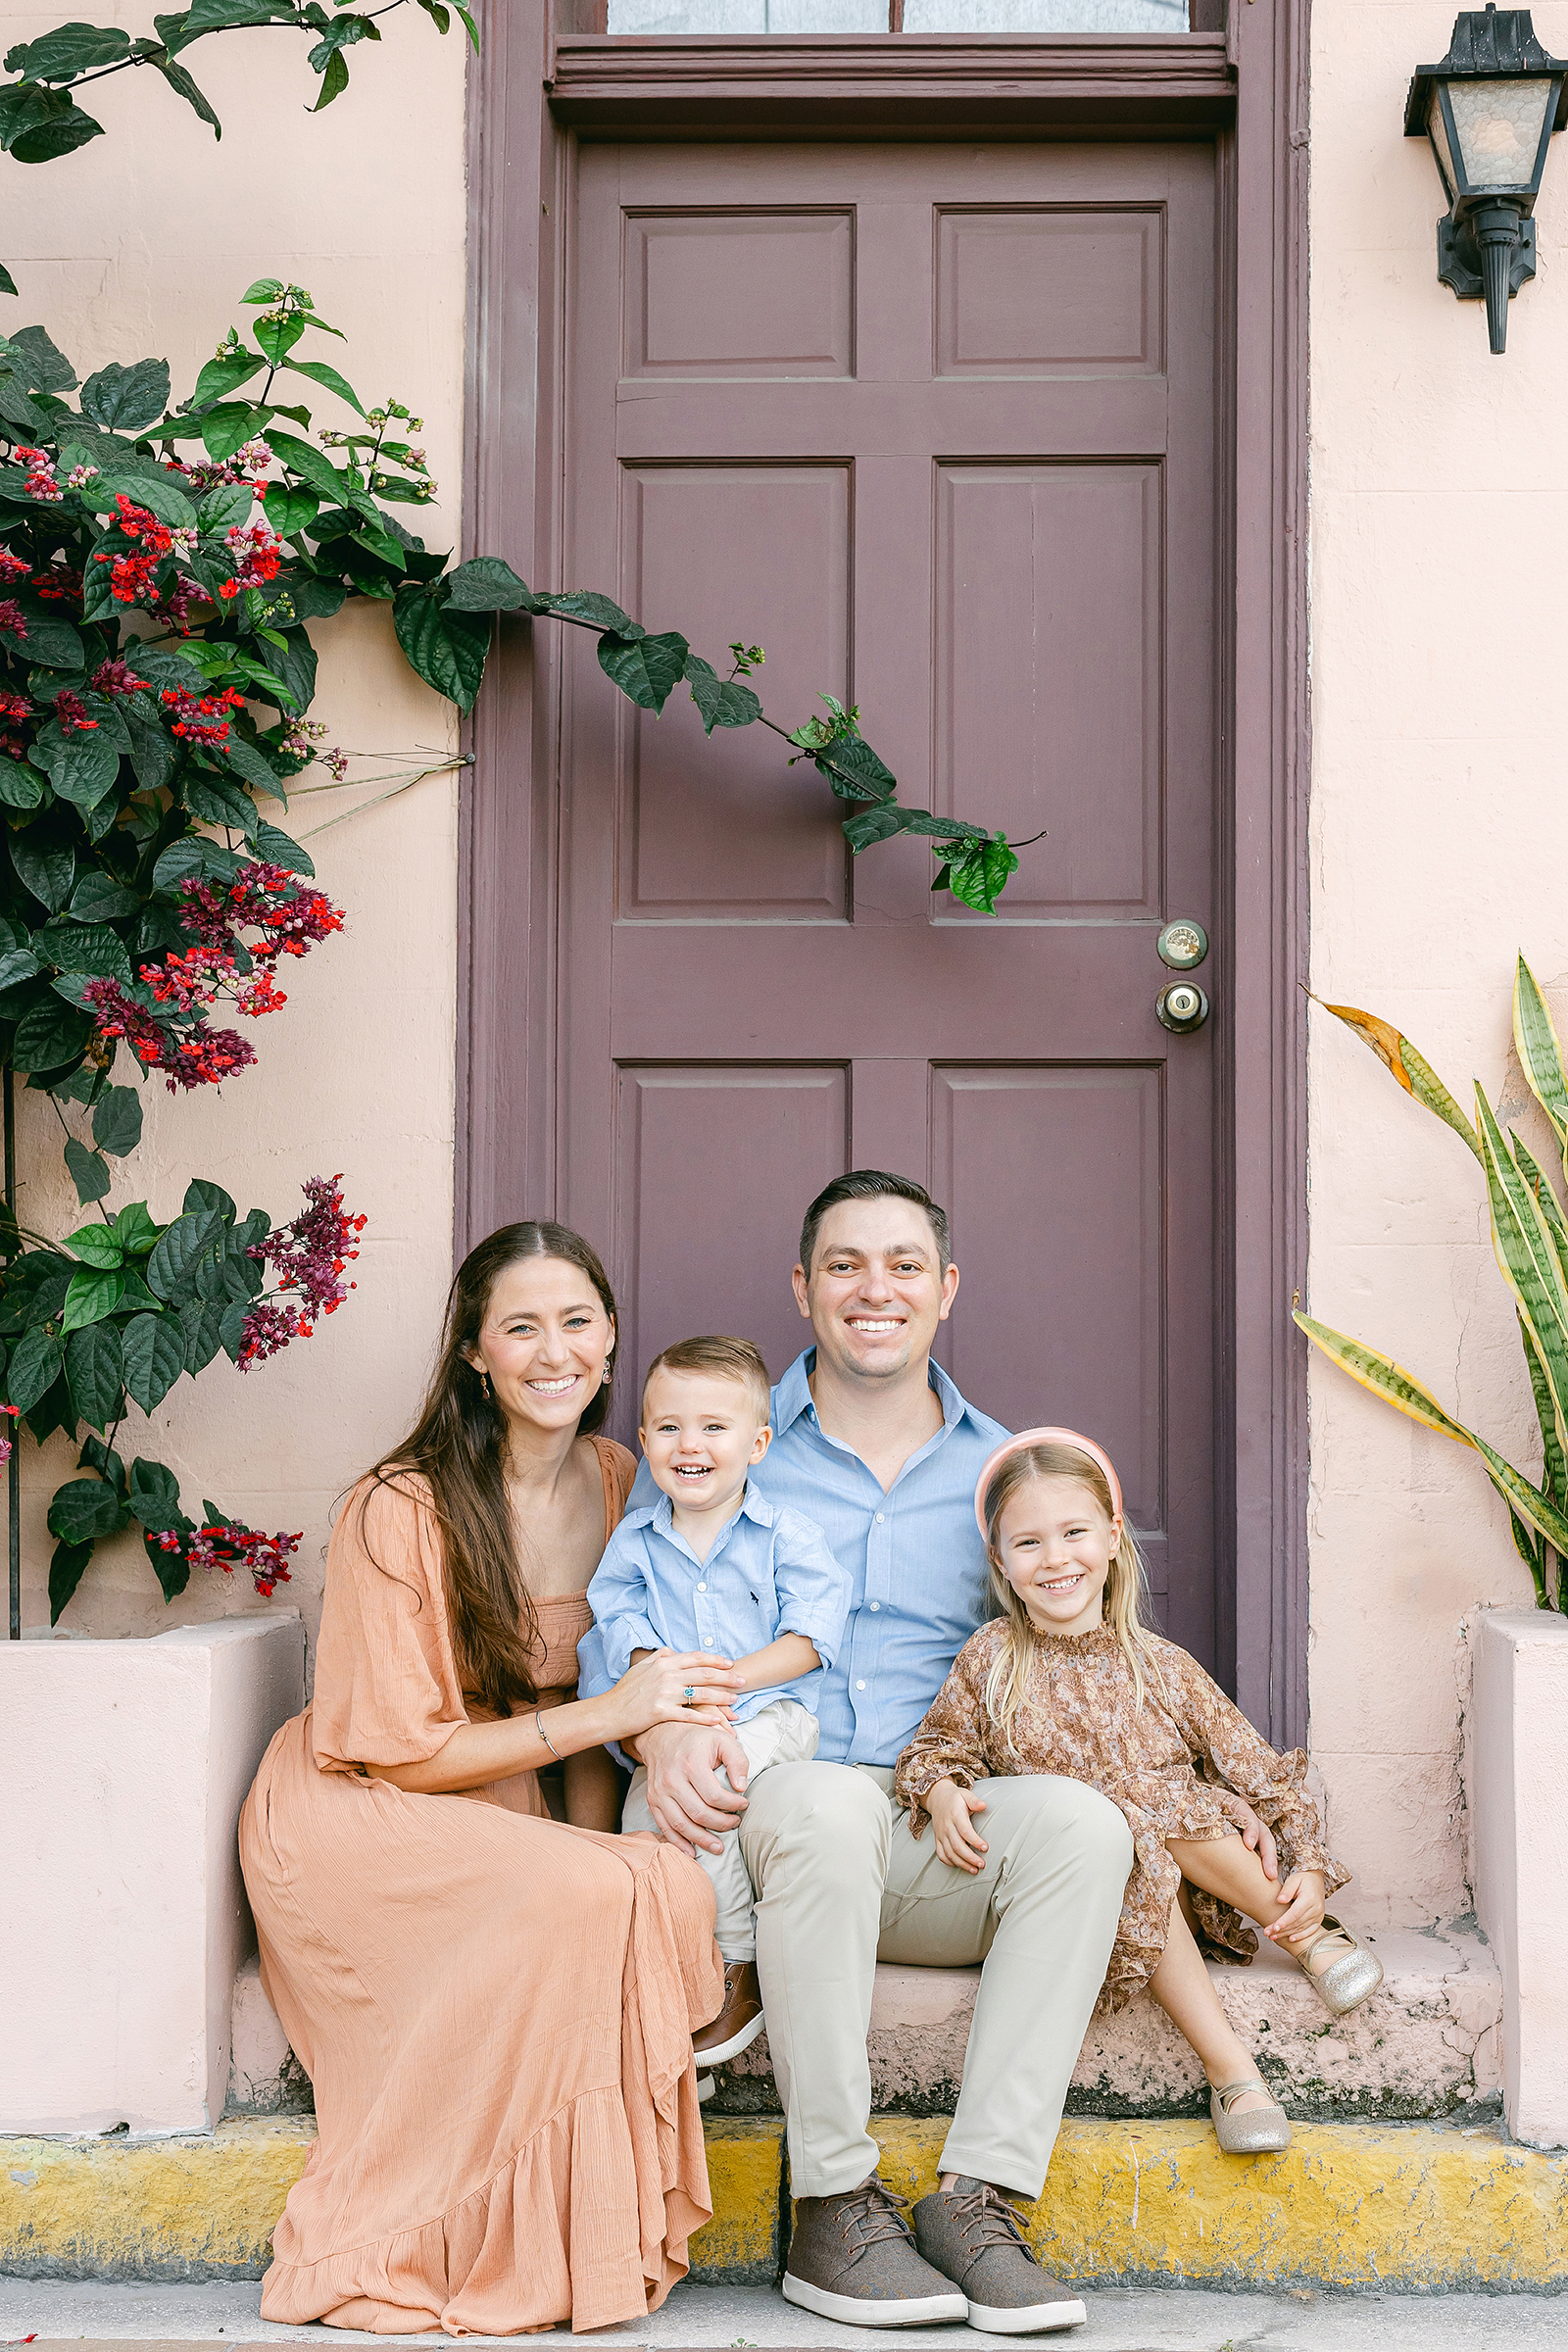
1159 1762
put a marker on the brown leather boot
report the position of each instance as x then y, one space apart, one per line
739 2022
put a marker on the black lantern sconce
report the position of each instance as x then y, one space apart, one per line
1490 108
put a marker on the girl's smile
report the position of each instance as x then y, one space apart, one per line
1055 1545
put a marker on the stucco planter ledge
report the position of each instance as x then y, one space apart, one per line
122 1768
1520 1833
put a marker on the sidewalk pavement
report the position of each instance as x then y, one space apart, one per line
1120 2320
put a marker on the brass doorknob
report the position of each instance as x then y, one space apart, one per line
1181 1004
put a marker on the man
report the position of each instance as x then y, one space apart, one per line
874 1441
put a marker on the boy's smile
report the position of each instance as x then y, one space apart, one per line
701 1435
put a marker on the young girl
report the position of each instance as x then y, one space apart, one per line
1069 1679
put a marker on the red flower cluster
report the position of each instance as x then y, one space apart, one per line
11 568
311 1254
229 1545
5 1440
203 718
262 898
203 1057
71 712
40 482
257 548
58 584
10 618
131 576
115 676
14 706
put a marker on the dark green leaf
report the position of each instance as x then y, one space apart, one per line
979 874
211 16
200 1320
98 899
855 771
334 79
182 861
52 1411
585 604
291 508
315 598
885 818
276 337
16 964
117 1121
202 1195
171 1268
97 1246
96 1456
153 1357
293 665
75 947
8 284
31 423
70 50
93 1294
215 801
230 426
156 492
43 365
469 25
50 1035
136 1231
36 124
90 1173
37 1363
277 849
83 1508
21 786
153 1493
308 461
47 868
180 82
486 585
221 379
49 640
263 290
448 650
66 1567
80 766
94 1368
645 668
231 1329
247 762
722 702
127 396
224 505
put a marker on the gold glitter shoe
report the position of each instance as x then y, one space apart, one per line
1263 2133
1346 1982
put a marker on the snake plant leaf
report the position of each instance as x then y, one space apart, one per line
1527 1257
1409 1068
1554 1462
1540 1053
1397 1387
1546 1199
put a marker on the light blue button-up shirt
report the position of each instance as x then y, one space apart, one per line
769 1572
917 1566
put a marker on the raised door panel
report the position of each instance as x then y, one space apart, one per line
714 1168
1055 1182
1044 289
1048 682
731 294
725 828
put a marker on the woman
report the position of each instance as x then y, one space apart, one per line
496 2009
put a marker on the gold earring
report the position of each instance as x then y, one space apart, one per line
484 1382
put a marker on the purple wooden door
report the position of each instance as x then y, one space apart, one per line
935 425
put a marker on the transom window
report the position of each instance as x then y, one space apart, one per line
898 16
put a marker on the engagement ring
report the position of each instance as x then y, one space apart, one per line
688 1695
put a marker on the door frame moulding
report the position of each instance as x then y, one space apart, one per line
533 92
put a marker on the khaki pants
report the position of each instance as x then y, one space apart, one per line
781 1733
841 1884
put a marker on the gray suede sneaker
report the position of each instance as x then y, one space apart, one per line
970 2232
853 2258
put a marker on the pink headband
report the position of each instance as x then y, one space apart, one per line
1045 1436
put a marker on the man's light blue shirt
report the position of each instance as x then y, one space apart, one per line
769 1572
920 1580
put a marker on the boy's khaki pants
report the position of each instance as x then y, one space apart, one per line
781 1733
841 1884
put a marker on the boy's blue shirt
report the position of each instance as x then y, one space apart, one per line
769 1572
919 1581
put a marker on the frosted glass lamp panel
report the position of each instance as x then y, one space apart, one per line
1439 129
1045 15
1499 125
747 16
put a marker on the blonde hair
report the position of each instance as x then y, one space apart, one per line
726 1358
1122 1601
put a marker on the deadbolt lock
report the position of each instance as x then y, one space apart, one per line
1182 1006
1182 945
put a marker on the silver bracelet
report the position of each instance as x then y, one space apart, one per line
539 1727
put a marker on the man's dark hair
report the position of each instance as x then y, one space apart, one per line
872 1184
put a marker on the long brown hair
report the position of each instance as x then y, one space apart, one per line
1121 1603
459 1445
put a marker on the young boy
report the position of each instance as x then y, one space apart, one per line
714 1566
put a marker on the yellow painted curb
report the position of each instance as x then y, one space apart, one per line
1347 2205
205 2207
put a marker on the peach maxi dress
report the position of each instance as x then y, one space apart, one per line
496 2010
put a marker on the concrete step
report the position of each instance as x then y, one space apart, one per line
1426 2046
1415 2207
